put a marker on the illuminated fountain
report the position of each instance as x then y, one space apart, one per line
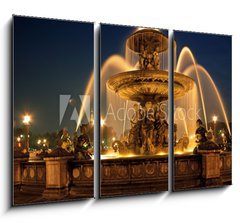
139 82
147 86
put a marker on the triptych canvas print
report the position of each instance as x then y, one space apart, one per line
146 77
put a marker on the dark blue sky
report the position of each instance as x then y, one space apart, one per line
51 57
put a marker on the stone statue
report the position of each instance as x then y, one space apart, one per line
142 58
150 62
156 59
163 133
83 144
64 141
75 139
157 125
147 129
203 140
200 132
134 138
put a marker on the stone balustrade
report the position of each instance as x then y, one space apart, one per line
59 177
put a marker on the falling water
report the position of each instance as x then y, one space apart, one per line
214 100
113 108
206 87
185 114
113 64
186 54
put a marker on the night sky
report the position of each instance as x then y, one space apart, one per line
54 57
51 57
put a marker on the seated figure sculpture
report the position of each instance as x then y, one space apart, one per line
64 140
83 144
160 138
134 138
147 129
203 142
156 59
142 58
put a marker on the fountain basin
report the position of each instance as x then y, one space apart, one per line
148 85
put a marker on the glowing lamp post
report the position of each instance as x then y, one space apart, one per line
26 122
102 122
214 127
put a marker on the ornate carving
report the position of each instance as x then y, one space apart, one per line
228 162
150 168
107 171
182 167
25 173
39 173
31 172
194 166
88 171
163 168
137 170
76 173
122 171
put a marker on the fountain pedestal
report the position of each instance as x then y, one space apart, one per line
57 179
211 167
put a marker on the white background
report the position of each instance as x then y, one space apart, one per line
216 205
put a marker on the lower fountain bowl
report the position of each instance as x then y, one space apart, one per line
148 85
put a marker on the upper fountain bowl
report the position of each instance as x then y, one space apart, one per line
149 39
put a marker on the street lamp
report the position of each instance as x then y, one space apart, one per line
102 122
26 119
26 122
215 118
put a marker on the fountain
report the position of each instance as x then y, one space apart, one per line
148 87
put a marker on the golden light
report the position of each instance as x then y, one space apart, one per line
178 152
26 119
222 134
113 139
39 142
44 140
192 136
18 139
215 119
102 122
21 136
162 153
102 141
